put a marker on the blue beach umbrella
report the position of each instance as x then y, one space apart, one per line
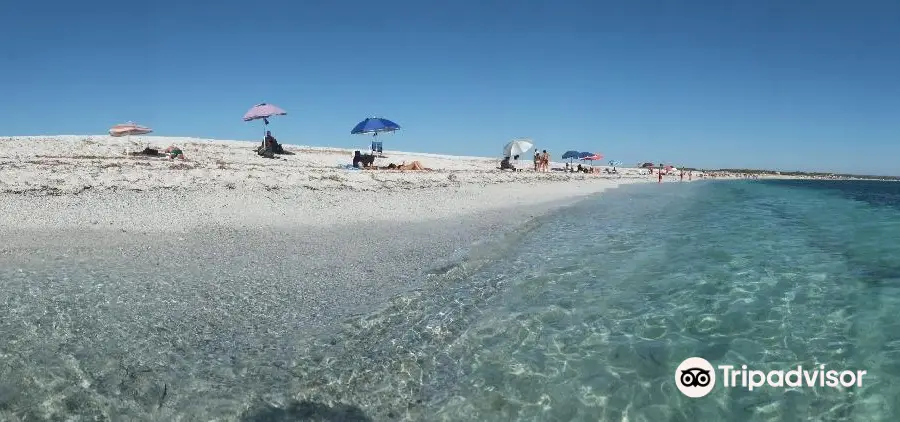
374 125
570 155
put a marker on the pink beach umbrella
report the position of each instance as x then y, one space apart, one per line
128 129
595 157
263 111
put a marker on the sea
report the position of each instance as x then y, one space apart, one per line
585 314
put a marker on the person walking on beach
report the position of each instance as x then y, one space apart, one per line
690 176
660 176
681 175
537 159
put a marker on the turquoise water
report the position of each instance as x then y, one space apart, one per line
585 314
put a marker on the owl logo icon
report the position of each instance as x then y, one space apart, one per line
695 377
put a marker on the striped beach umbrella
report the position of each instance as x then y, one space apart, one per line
128 129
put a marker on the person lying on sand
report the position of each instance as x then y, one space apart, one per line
150 152
174 152
415 165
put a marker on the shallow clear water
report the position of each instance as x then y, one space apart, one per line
587 315
581 315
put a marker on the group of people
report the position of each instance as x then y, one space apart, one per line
270 147
367 162
690 175
541 160
582 169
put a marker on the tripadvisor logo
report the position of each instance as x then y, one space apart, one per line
696 377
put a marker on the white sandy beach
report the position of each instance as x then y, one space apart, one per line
84 181
71 164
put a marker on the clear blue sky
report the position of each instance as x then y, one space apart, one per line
777 84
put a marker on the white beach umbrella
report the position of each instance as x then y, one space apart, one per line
517 147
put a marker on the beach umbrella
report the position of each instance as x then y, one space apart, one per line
647 165
582 155
128 129
570 155
374 125
517 147
615 163
593 157
263 111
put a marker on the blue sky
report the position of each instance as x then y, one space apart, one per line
774 84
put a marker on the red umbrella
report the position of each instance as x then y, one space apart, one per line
595 157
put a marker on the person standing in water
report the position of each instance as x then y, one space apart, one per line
660 176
